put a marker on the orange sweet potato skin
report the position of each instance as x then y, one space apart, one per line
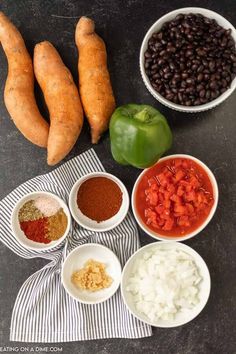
62 98
19 89
94 79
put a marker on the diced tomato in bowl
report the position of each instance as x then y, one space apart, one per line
176 198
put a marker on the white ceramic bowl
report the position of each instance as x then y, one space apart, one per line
182 317
76 260
93 225
202 226
156 27
19 234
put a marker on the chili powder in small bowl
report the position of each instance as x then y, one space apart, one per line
40 221
99 201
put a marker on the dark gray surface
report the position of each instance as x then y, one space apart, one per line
209 136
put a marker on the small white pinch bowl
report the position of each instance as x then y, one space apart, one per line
19 234
155 28
93 225
193 233
181 317
77 259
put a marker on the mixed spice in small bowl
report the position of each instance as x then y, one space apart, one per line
176 198
40 220
99 201
188 59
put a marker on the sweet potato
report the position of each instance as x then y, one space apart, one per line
94 79
19 89
62 98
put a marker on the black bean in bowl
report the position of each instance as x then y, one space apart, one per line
191 60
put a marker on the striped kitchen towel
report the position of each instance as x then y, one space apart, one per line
43 311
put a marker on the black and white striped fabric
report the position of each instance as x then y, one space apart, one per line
43 311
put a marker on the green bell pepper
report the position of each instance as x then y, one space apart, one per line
139 135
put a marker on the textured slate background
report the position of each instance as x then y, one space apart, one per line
209 136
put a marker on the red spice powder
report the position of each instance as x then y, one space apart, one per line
99 198
35 230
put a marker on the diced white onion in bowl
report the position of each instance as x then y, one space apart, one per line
164 282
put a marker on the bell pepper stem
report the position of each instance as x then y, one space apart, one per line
143 116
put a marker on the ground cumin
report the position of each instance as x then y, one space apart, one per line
99 198
56 225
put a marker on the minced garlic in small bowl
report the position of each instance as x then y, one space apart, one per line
92 276
91 273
